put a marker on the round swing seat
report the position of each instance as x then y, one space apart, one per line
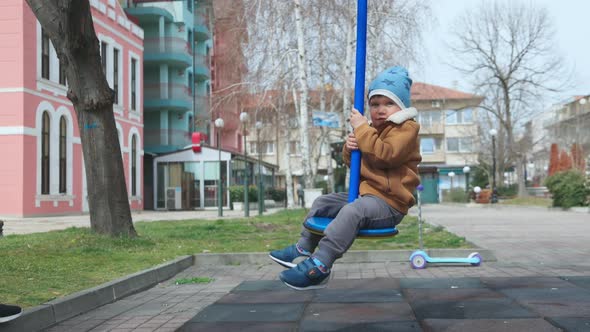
317 225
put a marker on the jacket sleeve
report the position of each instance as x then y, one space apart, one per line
346 155
391 151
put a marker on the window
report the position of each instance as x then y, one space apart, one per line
45 154
116 74
467 115
459 144
62 155
189 5
133 166
62 74
190 84
263 147
44 55
427 145
133 84
451 116
103 56
464 116
428 118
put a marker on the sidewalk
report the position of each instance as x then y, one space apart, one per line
45 224
542 277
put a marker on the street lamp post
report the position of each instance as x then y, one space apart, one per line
244 120
219 125
466 171
493 133
451 175
260 185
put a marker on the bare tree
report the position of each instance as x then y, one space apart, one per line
69 25
507 49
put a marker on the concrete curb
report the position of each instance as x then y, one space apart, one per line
56 311
353 256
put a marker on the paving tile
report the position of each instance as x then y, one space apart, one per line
239 326
531 282
441 283
571 324
372 284
573 294
500 325
451 294
580 281
357 313
357 296
492 308
250 313
261 285
277 296
559 308
398 326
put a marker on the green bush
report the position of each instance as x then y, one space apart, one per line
455 195
509 191
276 194
568 189
322 184
237 194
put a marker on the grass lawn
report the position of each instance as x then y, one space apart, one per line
36 268
528 201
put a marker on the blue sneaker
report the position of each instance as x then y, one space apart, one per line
306 275
287 255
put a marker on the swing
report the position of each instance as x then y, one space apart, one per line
317 225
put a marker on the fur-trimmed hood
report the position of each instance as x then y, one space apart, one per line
403 115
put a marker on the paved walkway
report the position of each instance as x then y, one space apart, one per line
44 224
528 242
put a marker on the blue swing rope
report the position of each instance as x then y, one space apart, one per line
359 93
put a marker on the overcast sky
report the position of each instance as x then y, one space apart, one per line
571 21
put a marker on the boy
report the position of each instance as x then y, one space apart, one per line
389 174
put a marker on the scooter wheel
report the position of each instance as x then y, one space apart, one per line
418 262
476 255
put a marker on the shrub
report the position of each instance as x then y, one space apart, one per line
455 195
276 194
508 191
237 194
568 189
322 184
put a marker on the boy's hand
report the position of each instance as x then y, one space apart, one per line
351 143
356 119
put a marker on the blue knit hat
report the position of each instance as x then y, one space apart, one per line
393 83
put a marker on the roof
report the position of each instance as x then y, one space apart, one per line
424 91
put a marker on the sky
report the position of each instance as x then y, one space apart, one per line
571 22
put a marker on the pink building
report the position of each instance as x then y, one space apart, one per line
43 172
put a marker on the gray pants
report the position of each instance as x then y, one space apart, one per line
365 212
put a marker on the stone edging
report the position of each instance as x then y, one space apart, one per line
55 311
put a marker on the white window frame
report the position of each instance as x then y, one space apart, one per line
433 145
139 150
52 84
135 113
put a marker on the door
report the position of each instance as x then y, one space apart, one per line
430 192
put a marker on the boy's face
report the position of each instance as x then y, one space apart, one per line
381 108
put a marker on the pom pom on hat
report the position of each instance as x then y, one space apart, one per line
393 83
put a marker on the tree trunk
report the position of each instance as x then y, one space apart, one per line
303 116
70 27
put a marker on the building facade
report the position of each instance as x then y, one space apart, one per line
38 127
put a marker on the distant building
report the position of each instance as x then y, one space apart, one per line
39 133
449 132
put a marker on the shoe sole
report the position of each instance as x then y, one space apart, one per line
283 263
321 285
9 318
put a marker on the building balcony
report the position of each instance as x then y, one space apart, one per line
201 69
165 140
435 157
149 14
169 96
201 28
176 52
432 129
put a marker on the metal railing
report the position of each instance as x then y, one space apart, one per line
153 137
167 45
168 91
